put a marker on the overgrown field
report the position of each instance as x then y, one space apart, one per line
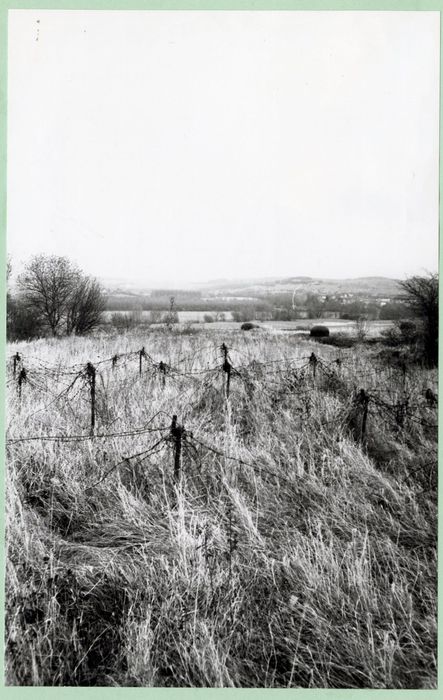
285 537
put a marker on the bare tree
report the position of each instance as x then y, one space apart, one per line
171 316
314 305
47 285
56 290
85 306
361 328
422 298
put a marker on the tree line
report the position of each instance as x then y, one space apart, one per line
53 296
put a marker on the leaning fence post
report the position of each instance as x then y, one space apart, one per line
363 400
90 373
21 378
226 368
16 359
176 434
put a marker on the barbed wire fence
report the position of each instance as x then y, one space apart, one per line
300 375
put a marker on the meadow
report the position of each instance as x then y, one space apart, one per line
279 532
183 316
374 329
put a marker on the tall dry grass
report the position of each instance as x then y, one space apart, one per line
309 563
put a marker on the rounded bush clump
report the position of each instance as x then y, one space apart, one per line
408 330
319 332
247 326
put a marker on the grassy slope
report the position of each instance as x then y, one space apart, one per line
313 567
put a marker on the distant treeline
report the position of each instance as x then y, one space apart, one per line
182 302
264 307
166 294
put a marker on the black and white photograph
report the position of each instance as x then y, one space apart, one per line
222 349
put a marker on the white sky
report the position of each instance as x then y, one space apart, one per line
198 145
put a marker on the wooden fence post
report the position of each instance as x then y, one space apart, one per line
227 367
313 361
162 368
363 400
141 355
16 360
21 378
177 434
91 372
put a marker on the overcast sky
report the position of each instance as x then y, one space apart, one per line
172 146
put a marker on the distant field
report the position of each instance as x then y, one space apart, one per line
184 316
375 328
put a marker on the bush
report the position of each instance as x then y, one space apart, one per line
319 332
403 333
122 321
422 293
391 336
361 328
339 340
207 318
408 330
243 314
155 316
248 326
170 318
188 328
22 321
